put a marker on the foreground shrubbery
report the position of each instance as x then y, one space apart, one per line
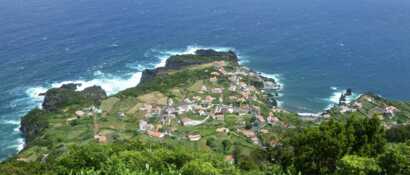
353 145
136 157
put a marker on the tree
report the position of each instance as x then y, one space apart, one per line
316 150
196 167
227 144
212 143
396 159
356 165
399 133
91 156
367 137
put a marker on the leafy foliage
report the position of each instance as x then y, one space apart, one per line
316 150
356 165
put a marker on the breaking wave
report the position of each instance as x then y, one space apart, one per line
336 94
279 80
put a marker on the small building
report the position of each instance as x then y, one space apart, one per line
100 138
143 126
209 99
156 134
190 122
357 105
345 109
222 130
272 119
215 74
222 70
170 102
219 116
170 110
230 159
251 135
213 79
217 90
71 119
184 108
202 113
121 115
390 111
197 98
232 88
80 114
188 101
95 110
204 88
261 119
194 137
146 108
264 131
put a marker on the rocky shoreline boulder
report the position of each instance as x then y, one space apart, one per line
67 94
94 93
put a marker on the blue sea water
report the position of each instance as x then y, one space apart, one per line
316 48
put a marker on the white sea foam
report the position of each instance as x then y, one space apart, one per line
11 122
18 144
111 84
279 103
335 97
307 114
277 77
34 94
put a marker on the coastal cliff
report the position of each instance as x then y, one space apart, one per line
181 61
203 114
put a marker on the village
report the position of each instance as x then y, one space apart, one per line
209 104
226 92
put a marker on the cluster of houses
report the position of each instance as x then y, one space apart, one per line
381 109
209 103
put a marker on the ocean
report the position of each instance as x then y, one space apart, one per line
316 48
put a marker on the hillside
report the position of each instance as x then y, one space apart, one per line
204 113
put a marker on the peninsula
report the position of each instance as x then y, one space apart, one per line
204 114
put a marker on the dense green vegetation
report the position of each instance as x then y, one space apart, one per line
350 145
165 83
316 150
